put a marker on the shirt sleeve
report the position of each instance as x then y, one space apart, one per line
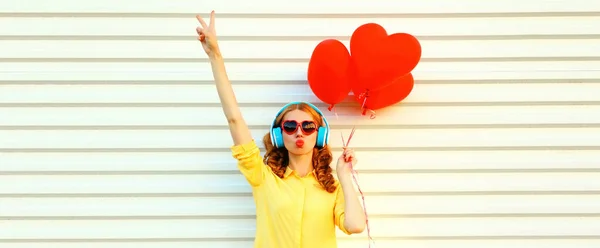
339 209
250 162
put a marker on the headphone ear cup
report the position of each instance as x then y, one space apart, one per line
276 137
322 137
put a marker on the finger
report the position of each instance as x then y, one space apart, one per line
200 32
212 18
350 154
201 21
348 157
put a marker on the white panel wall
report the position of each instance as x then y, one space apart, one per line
111 132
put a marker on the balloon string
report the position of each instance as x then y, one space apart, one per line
354 177
332 107
364 96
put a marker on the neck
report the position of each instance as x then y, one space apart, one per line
301 164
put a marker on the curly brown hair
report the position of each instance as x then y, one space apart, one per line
278 159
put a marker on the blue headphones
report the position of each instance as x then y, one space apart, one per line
322 132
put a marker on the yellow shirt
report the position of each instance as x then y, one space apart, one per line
291 212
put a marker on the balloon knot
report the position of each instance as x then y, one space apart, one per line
364 95
330 107
372 113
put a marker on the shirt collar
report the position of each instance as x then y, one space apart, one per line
289 172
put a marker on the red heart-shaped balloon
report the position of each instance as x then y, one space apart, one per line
390 94
328 71
379 59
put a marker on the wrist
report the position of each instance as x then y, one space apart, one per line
343 174
345 180
215 56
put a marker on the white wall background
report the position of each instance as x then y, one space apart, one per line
111 133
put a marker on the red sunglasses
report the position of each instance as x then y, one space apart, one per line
290 127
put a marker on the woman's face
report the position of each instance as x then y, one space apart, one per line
299 131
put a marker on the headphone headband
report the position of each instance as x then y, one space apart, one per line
294 103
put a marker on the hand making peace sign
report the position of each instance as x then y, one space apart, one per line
207 35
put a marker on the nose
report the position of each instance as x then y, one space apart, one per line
299 131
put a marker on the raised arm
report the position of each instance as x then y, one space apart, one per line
244 149
237 125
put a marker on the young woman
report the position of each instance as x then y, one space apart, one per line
298 201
